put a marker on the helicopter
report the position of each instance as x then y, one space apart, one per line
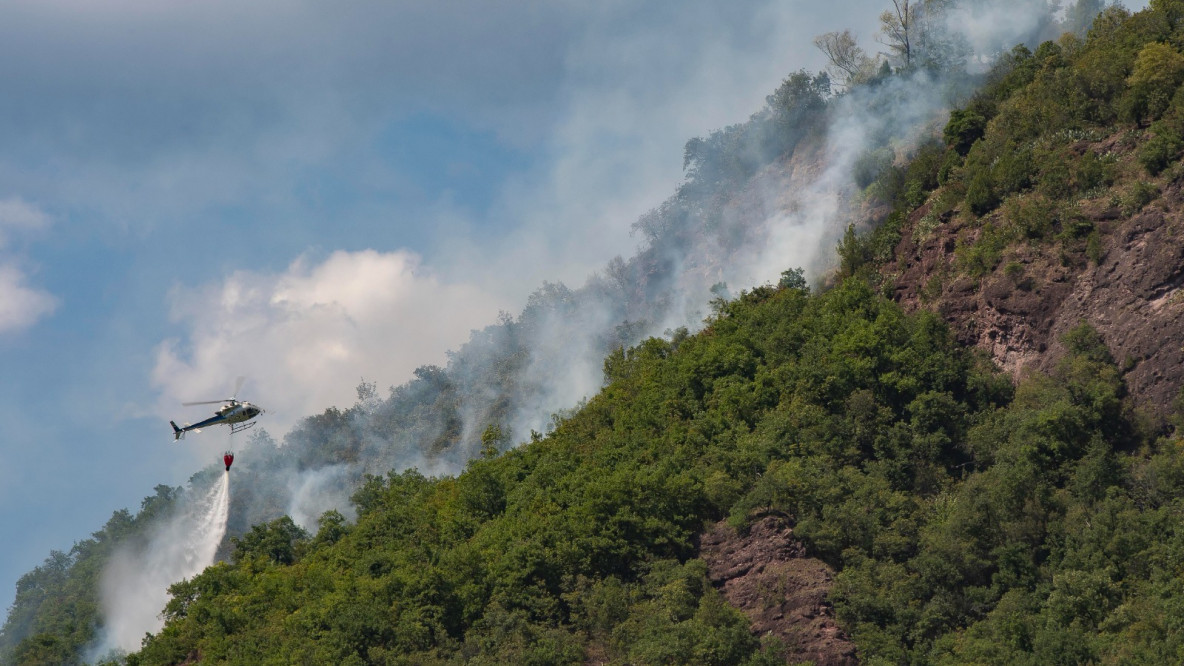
233 412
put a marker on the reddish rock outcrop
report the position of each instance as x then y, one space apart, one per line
1133 295
766 574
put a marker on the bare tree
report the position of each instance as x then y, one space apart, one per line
898 27
848 63
916 35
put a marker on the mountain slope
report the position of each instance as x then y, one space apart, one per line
584 542
500 388
1060 202
965 523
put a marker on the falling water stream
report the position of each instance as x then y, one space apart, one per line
136 582
209 517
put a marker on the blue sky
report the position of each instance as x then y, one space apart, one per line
311 193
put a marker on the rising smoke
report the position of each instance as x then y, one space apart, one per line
512 376
517 373
788 213
319 490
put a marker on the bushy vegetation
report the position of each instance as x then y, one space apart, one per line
56 608
1045 132
969 521
584 542
493 380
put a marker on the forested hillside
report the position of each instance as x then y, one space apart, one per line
506 385
1021 511
501 388
968 521
584 543
1057 201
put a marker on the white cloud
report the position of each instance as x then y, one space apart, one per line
306 337
21 305
19 215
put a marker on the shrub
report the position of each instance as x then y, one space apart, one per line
981 257
1074 226
1056 175
1161 150
1013 172
1093 247
1158 71
889 185
1033 216
921 175
1092 171
1139 196
980 194
965 127
853 251
949 166
870 165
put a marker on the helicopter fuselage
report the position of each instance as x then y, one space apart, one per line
234 414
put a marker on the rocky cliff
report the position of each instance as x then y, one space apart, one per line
1129 290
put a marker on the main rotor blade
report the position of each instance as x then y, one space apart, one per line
238 384
207 402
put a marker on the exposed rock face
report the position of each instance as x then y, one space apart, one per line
1133 296
767 575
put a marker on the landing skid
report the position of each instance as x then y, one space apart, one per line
239 427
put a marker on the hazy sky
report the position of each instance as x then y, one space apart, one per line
312 193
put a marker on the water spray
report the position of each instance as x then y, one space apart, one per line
136 582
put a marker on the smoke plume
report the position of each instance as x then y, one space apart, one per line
512 376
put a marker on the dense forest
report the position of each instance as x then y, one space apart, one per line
969 520
970 517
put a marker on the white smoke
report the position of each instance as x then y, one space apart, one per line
135 583
990 27
308 334
315 491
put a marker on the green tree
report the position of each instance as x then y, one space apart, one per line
278 542
1158 72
